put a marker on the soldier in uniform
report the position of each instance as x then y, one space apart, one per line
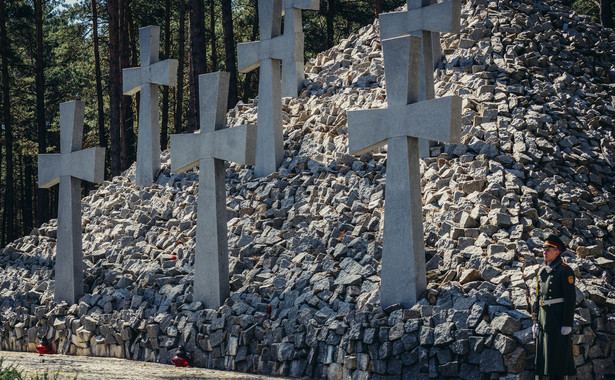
553 314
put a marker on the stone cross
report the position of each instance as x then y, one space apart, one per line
267 53
292 69
146 79
68 168
425 19
403 277
209 149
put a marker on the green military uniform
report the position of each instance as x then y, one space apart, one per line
553 309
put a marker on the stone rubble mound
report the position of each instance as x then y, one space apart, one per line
537 156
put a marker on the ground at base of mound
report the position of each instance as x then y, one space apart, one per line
31 365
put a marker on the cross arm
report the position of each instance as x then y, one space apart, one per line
87 164
282 47
186 151
302 4
441 17
131 79
236 144
248 57
48 170
366 130
163 73
436 119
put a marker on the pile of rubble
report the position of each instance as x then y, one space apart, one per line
537 156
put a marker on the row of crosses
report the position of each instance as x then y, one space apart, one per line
412 116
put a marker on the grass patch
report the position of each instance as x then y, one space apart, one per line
11 372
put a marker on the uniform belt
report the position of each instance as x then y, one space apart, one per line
551 301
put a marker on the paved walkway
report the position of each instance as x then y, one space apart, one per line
89 367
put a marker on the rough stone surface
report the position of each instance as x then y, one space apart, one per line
537 129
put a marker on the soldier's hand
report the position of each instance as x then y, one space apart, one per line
566 330
534 330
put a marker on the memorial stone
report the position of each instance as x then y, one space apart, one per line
268 53
293 69
403 277
68 168
146 79
425 19
209 149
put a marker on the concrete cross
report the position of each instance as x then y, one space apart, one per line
267 53
68 168
146 79
209 149
292 69
425 19
403 277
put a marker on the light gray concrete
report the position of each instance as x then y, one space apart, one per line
146 79
293 70
425 19
68 168
422 15
401 125
268 54
209 149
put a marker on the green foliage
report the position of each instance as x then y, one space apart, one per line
587 7
12 373
9 372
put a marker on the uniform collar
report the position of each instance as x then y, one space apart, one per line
557 261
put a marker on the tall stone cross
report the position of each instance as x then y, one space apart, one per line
209 149
146 79
292 69
403 277
68 168
268 53
425 19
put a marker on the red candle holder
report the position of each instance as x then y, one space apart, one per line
181 358
44 347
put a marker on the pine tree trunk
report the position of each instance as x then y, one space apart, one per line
115 85
606 13
330 23
212 41
43 194
27 194
164 124
252 76
133 113
179 99
197 60
9 195
377 7
102 136
126 101
230 59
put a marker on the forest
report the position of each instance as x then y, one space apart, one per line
53 51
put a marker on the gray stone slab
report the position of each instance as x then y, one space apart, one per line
401 125
425 19
293 72
69 168
146 80
208 150
268 54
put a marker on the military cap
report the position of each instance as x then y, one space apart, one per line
555 242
